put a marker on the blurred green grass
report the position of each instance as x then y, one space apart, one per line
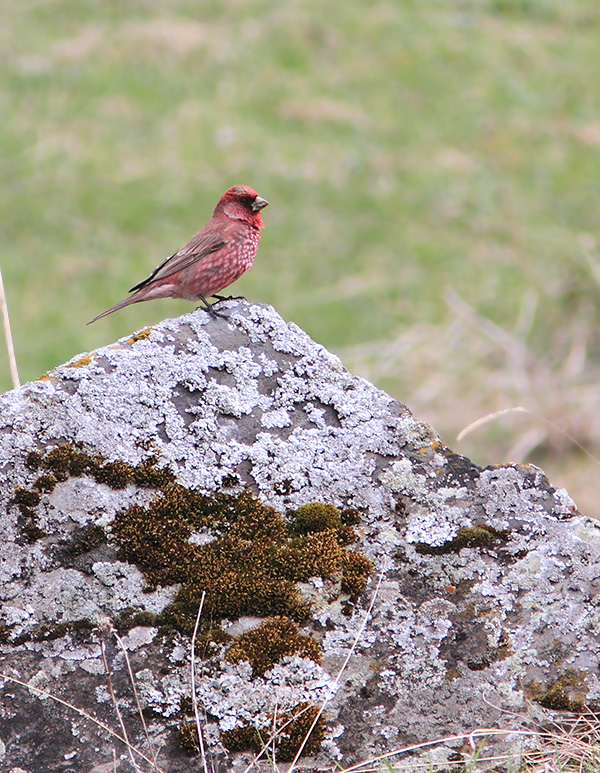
405 147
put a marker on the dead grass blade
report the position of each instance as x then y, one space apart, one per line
193 681
14 373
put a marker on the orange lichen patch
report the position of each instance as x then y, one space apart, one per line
139 336
82 361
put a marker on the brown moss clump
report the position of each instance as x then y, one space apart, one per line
291 731
252 561
25 497
480 536
188 738
241 569
270 642
249 560
27 500
320 547
115 475
70 460
356 569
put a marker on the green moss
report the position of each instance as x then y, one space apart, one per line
315 516
51 631
467 537
70 460
131 618
242 569
270 642
567 693
290 732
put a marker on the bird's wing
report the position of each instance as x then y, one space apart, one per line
198 247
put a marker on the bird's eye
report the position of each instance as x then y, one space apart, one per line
247 201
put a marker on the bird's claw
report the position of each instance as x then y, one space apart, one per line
209 307
221 298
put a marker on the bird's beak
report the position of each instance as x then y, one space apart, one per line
259 204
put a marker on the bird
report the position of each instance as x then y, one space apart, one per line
218 254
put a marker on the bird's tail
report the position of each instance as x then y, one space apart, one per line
135 298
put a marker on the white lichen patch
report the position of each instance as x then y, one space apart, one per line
236 698
401 478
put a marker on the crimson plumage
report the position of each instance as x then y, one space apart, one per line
214 258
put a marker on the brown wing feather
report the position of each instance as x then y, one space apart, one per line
198 247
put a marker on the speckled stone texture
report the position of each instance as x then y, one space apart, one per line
471 627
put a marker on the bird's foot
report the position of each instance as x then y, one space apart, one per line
210 308
221 298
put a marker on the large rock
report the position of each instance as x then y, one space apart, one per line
176 462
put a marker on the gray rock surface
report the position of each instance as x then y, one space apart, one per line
485 581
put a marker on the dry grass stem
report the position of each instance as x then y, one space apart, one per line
340 672
483 733
519 409
116 706
14 373
193 682
136 697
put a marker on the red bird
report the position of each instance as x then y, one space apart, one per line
213 258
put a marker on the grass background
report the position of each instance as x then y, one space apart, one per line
433 170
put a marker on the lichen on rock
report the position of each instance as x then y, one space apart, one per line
237 458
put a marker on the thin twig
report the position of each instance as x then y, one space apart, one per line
340 672
116 704
519 409
136 697
481 733
272 738
14 373
193 680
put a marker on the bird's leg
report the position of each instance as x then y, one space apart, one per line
209 307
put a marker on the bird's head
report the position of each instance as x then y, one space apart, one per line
242 203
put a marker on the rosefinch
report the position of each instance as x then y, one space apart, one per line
213 258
